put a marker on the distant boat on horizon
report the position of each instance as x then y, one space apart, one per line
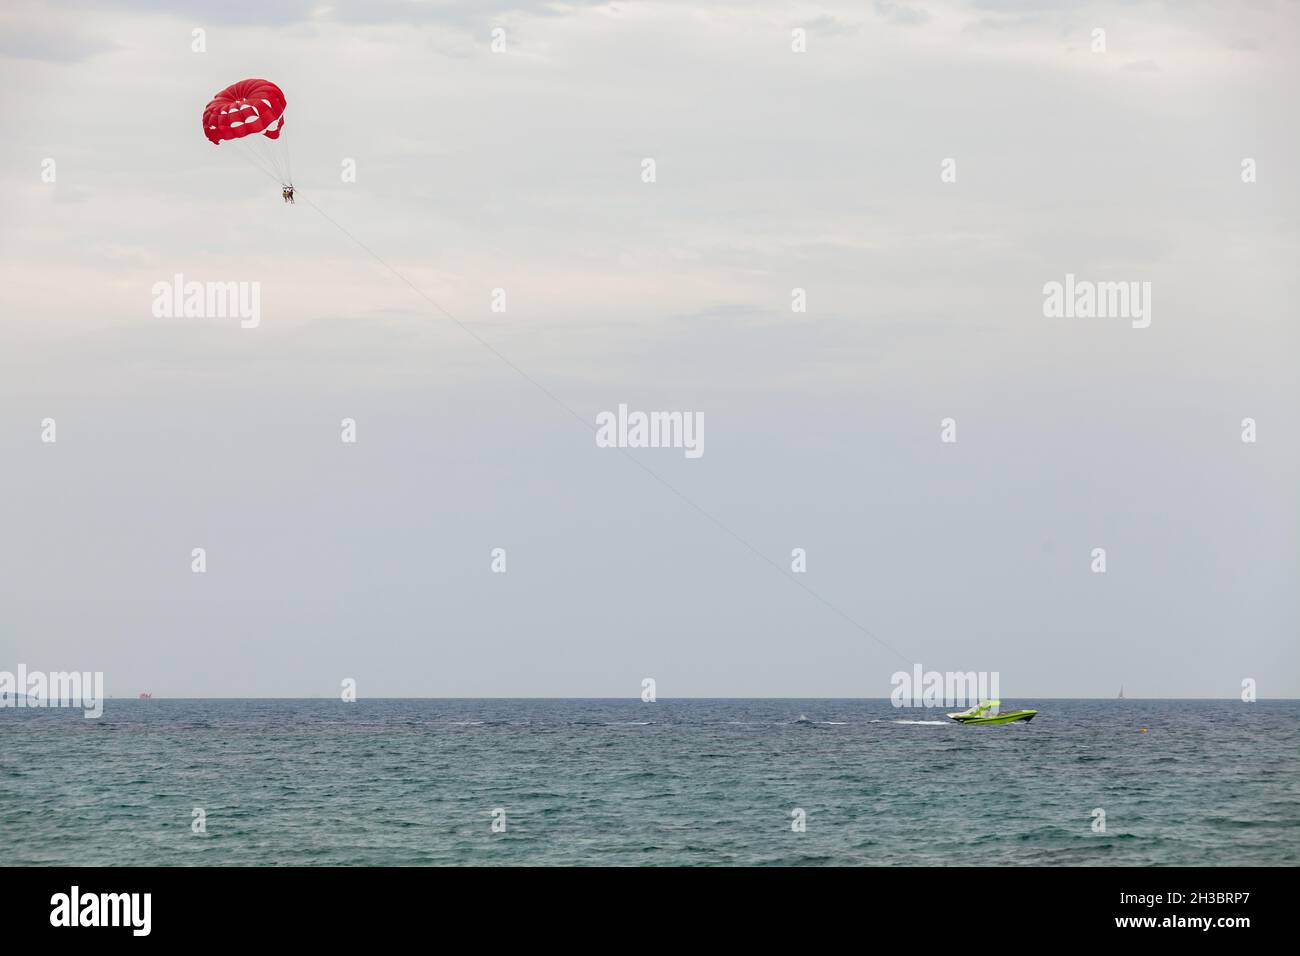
1121 692
145 695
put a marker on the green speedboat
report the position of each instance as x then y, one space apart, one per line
981 715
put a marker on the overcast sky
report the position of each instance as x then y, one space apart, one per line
775 170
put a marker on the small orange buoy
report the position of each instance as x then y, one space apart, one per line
1144 730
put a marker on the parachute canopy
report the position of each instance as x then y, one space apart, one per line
250 114
245 109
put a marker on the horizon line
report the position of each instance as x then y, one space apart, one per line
684 697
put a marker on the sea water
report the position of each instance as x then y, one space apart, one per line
675 782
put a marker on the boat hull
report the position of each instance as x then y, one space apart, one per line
1007 718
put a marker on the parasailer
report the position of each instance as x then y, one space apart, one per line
250 114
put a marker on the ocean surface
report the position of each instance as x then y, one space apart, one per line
677 782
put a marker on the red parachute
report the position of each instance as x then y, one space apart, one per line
251 114
245 108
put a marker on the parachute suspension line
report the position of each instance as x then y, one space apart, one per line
248 156
271 155
630 457
277 152
288 164
267 156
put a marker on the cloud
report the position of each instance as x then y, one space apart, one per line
828 26
27 33
776 171
901 13
286 12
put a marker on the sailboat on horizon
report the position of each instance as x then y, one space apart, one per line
1121 692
